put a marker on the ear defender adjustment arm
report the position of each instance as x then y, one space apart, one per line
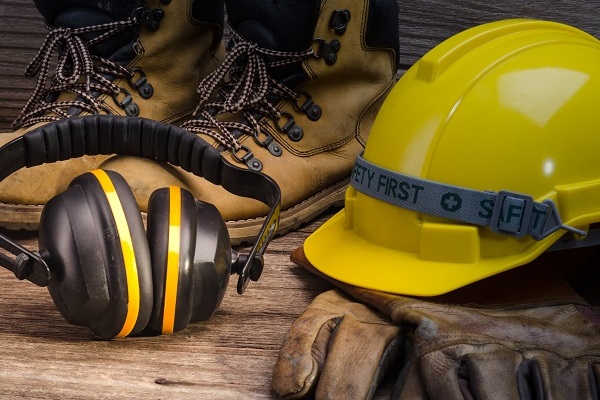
255 268
27 265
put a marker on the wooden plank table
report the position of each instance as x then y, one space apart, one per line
229 357
232 355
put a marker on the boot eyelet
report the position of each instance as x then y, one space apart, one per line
327 50
269 143
296 133
275 149
127 104
142 85
339 21
149 18
313 111
138 48
289 123
132 110
247 158
335 45
146 91
254 164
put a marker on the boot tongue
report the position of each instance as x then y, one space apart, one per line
119 9
284 25
117 47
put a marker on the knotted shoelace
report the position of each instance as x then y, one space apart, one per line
77 71
242 84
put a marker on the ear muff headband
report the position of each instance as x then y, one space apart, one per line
172 274
109 134
131 274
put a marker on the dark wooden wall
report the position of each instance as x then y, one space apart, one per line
21 34
424 23
232 355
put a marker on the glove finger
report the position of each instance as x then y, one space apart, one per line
304 351
489 373
529 380
358 356
409 385
560 378
302 354
594 376
466 371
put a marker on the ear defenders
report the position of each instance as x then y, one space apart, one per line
101 269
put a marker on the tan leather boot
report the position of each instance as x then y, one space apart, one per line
115 57
303 82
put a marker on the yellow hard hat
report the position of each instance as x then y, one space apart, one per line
485 153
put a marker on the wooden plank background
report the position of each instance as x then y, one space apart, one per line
232 355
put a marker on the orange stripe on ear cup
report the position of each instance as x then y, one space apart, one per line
172 273
131 273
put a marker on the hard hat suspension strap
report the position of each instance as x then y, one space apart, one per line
504 212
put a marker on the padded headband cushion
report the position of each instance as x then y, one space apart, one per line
108 134
172 239
95 235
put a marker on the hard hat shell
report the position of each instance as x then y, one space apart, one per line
512 105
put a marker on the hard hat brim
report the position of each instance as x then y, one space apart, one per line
344 255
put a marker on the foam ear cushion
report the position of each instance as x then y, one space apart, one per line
171 235
98 251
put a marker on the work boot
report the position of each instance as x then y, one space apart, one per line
119 57
295 98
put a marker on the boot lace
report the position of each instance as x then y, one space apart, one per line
77 71
242 84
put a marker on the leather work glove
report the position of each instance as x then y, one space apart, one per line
522 334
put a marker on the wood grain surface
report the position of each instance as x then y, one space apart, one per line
232 355
228 357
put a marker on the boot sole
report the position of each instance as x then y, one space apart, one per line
20 217
245 231
24 217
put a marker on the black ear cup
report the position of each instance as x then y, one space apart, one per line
112 277
212 261
191 259
100 258
171 234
